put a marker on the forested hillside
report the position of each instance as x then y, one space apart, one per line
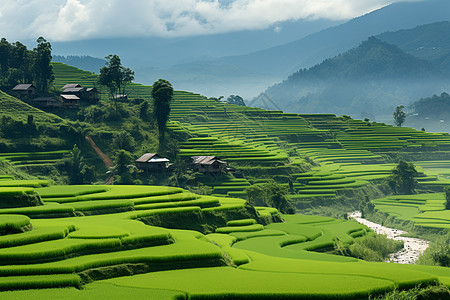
366 81
430 42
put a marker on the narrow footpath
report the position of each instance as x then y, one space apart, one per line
413 247
106 160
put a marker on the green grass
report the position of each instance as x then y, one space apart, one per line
425 210
13 222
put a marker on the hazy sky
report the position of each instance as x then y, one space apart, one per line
63 20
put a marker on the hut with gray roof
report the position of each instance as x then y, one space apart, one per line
152 162
208 164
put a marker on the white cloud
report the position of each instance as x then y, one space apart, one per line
61 20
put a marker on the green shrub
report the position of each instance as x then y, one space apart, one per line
374 247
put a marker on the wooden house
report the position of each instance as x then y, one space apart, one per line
208 164
92 95
77 91
70 100
47 102
27 90
71 86
152 162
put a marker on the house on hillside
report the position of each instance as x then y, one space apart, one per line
92 95
152 162
71 86
27 90
70 100
77 91
208 164
121 97
46 102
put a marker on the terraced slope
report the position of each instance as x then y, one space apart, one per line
19 111
243 259
260 142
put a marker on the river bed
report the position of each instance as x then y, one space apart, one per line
413 247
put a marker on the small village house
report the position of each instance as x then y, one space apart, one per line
47 102
77 91
92 95
152 162
208 164
25 90
70 100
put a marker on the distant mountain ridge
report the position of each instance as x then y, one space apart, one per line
249 74
365 81
430 42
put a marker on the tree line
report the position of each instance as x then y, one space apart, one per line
20 65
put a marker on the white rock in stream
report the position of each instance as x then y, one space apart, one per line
413 247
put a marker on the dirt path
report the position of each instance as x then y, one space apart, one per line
106 160
413 247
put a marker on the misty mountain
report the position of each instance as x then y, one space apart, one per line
274 64
430 42
83 62
431 113
366 81
158 52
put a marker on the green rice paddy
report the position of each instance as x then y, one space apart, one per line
92 236
279 260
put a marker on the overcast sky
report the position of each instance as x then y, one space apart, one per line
64 20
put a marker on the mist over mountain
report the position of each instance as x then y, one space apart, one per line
366 81
430 42
276 63
246 62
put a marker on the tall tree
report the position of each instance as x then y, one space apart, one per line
162 93
403 178
42 69
115 76
399 116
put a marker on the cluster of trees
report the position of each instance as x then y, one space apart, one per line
270 194
20 65
436 107
403 179
115 76
10 128
77 170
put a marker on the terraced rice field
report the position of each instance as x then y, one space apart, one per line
351 151
33 159
101 237
425 210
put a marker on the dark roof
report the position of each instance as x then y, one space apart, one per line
206 160
70 97
151 157
23 87
71 85
73 90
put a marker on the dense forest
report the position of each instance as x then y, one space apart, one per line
20 65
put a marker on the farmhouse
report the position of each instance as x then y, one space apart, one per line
92 95
85 94
208 164
25 90
70 100
46 102
152 162
71 86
